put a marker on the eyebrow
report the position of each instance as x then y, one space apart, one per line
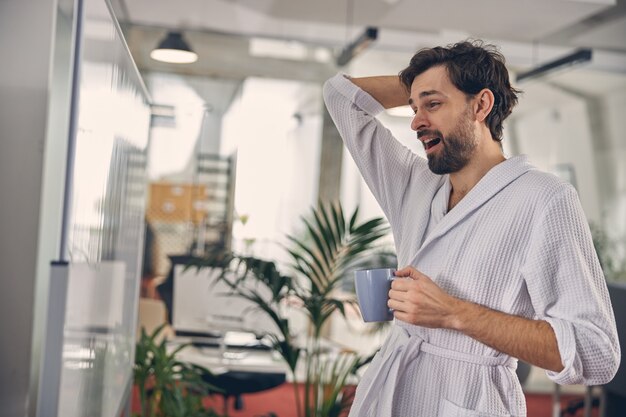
426 94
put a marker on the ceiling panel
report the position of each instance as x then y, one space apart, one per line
526 20
531 31
500 19
221 56
361 12
611 35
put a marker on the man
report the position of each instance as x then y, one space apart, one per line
497 257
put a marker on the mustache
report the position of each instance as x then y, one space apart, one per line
428 132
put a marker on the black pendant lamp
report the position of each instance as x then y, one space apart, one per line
174 49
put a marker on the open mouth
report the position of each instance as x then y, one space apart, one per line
431 142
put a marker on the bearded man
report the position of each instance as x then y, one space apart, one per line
496 256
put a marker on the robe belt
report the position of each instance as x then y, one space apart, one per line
399 352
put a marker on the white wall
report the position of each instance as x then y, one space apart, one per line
275 128
579 120
173 148
557 135
612 158
26 37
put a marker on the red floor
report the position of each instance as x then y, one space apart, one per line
280 401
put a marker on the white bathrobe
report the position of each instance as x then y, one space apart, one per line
518 242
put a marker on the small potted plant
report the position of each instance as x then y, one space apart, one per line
167 386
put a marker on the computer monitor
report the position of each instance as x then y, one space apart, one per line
203 304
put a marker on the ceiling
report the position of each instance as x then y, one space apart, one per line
529 32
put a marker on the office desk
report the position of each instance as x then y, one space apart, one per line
235 370
229 358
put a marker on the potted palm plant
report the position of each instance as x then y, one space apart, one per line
167 386
332 247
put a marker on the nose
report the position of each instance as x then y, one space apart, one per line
419 121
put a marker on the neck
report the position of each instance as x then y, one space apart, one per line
464 180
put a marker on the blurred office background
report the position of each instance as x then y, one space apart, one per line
230 150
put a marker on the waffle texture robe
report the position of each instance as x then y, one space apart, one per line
518 242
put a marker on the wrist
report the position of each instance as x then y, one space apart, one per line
460 311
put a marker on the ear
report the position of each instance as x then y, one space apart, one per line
484 102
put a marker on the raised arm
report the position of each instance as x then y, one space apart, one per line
390 169
386 89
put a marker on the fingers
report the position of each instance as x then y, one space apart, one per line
397 305
397 295
417 299
408 272
407 283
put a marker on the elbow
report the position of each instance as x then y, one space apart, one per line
590 354
554 362
613 366
595 364
601 368
606 365
556 367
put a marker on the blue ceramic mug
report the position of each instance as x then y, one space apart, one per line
372 292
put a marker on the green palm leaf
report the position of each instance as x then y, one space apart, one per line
320 248
332 239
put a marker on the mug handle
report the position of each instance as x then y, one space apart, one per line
391 278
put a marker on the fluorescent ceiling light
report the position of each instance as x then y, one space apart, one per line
321 54
174 49
575 58
275 48
356 47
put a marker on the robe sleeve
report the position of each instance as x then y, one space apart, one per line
385 164
568 290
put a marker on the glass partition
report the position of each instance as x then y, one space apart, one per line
106 224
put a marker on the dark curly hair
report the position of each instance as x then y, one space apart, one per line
471 66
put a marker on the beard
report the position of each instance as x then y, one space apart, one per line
457 147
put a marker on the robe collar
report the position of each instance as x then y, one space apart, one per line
494 181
